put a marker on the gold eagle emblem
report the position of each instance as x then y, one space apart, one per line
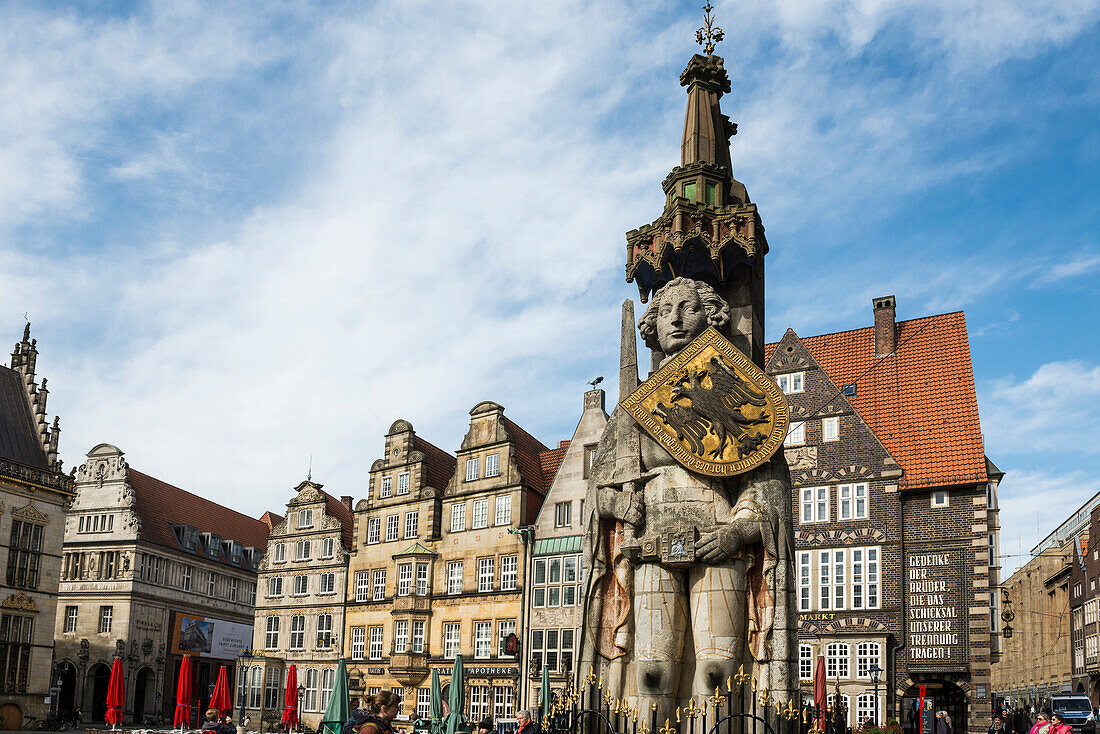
715 411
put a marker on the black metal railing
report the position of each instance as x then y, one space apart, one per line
590 708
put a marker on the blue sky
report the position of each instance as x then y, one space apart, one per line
248 234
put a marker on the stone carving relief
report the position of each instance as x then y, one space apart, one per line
802 458
84 651
20 601
109 468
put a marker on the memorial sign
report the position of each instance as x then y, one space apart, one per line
936 612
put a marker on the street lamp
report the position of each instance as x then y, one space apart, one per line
246 658
876 676
301 692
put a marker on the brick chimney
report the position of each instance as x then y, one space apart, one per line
346 501
886 335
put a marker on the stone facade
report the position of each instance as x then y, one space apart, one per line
555 611
33 498
149 573
302 581
451 580
1052 602
895 556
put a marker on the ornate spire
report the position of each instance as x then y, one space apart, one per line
710 33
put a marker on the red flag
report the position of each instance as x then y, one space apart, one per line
821 699
219 699
116 694
183 695
290 713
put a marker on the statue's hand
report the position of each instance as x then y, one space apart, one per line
622 504
716 546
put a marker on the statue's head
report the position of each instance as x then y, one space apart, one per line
679 311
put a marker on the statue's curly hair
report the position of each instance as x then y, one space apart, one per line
718 311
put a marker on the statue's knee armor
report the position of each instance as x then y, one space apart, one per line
657 678
711 674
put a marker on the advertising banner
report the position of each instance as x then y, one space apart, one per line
209 638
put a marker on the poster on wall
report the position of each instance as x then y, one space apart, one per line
209 638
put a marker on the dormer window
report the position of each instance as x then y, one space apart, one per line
305 519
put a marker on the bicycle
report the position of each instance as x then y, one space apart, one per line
46 723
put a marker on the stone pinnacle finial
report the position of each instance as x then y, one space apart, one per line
709 34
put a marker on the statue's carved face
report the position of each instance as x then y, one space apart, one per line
680 319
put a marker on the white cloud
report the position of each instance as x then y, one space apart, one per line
1033 504
457 231
1054 411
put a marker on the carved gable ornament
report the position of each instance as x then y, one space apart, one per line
29 512
20 601
715 411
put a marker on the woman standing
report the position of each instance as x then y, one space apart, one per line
382 708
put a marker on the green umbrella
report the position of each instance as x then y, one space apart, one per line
544 695
338 710
435 710
456 699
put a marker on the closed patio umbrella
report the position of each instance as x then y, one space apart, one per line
455 721
116 695
821 698
290 713
183 695
544 696
338 710
219 699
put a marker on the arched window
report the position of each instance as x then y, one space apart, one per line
328 681
866 708
805 662
868 654
836 660
846 701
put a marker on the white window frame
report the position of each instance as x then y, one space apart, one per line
302 550
492 465
358 643
504 509
297 632
814 504
401 636
328 548
71 617
271 633
374 530
805 582
505 627
309 700
852 502
403 483
421 587
454 577
830 429
362 586
796 434
188 572
805 662
418 627
305 519
940 498
486 574
412 525
509 571
393 526
452 639
301 584
386 490
280 553
374 651
274 586
483 639
328 583
473 469
838 660
479 514
866 707
458 517
563 514
324 631
792 382
868 654
378 584
404 579
328 682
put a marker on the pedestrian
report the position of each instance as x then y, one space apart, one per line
76 717
382 708
486 726
1021 722
524 723
218 724
998 726
1042 725
943 723
1059 725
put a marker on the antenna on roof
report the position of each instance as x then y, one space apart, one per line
26 316
309 473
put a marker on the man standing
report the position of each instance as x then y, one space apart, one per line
525 725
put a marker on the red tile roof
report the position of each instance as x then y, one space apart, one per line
550 461
439 466
159 505
528 449
920 403
270 519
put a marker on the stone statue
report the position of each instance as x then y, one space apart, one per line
662 632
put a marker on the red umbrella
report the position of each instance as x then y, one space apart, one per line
821 699
116 694
290 713
219 699
183 695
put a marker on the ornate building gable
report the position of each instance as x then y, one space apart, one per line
20 601
818 461
325 513
30 512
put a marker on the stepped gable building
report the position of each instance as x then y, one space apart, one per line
150 573
1051 602
895 516
438 566
556 596
33 497
300 610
